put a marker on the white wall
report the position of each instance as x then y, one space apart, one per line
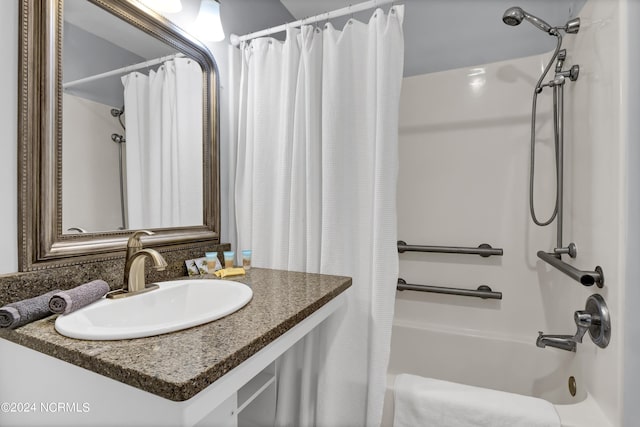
464 156
8 147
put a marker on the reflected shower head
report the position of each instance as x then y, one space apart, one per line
115 112
514 16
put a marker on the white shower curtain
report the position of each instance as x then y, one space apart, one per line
164 138
315 191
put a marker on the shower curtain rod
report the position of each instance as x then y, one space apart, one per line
122 70
235 39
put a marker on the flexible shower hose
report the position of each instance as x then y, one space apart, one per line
536 91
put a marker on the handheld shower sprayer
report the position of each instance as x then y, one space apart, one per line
515 15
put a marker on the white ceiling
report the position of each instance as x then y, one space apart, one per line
95 41
446 34
101 23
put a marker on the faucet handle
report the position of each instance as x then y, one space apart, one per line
583 320
134 240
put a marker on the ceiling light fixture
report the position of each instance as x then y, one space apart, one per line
207 25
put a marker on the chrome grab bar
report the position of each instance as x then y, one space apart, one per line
587 278
483 291
484 250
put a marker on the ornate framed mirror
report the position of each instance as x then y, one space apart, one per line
91 166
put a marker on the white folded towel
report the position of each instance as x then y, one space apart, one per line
427 402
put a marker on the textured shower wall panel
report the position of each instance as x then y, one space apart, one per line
90 171
464 165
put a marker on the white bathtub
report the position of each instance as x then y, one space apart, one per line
492 362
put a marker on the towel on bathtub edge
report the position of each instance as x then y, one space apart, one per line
428 402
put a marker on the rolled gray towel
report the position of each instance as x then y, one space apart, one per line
64 302
29 310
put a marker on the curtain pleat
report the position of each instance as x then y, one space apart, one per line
315 191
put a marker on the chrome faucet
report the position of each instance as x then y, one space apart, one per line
594 318
583 321
134 274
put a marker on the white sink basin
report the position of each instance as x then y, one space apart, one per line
176 305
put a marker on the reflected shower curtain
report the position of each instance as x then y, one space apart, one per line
315 191
164 146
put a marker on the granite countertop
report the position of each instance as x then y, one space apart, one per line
178 365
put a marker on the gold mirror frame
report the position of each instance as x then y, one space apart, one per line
41 241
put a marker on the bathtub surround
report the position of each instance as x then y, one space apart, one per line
630 10
317 134
514 16
86 164
464 142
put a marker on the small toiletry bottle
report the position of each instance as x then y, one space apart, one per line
228 259
212 258
246 259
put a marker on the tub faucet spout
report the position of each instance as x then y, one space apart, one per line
563 342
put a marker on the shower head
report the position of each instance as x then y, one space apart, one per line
514 16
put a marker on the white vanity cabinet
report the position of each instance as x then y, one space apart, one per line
46 391
51 392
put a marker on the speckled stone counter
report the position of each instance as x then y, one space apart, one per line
178 365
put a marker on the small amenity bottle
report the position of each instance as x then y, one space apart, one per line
246 259
228 259
211 261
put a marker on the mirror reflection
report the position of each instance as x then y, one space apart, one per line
132 150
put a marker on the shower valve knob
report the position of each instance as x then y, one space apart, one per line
574 72
582 318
